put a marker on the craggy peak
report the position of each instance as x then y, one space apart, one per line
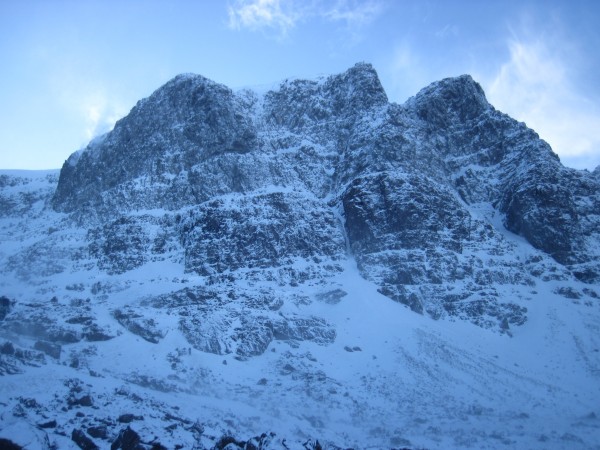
310 266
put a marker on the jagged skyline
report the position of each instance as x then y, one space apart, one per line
237 270
78 67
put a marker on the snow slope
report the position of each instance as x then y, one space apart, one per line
391 378
307 267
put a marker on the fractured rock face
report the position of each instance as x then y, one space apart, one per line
389 211
315 168
262 231
180 125
225 319
216 241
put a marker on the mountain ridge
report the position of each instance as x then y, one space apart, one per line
308 262
447 134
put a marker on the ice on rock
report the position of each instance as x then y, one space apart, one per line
304 266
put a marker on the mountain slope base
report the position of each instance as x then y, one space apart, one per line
310 267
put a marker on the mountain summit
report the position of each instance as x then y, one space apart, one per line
403 178
308 262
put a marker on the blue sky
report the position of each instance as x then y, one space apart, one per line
71 68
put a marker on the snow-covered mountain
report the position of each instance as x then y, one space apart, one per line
307 267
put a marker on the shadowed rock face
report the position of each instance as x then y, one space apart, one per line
313 169
183 123
393 211
193 139
450 101
265 231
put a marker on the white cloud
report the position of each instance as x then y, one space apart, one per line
353 13
535 86
257 14
90 106
447 31
284 15
99 114
408 72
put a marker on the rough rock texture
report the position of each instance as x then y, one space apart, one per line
194 274
16 201
226 319
262 179
261 231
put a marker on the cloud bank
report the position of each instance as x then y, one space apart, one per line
535 86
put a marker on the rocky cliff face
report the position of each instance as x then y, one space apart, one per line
265 179
193 139
226 244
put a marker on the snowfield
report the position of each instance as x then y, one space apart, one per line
304 267
391 378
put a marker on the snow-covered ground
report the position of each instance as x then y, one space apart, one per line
391 378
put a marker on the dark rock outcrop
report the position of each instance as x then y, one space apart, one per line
311 169
5 305
82 440
127 439
48 348
7 444
261 231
